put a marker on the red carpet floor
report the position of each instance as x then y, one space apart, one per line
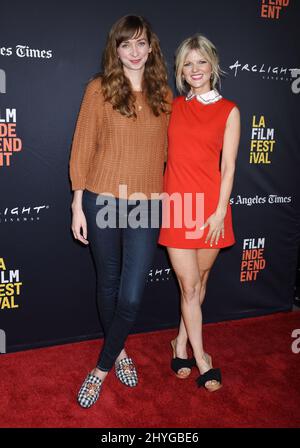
261 382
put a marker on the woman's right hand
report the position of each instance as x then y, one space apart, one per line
78 223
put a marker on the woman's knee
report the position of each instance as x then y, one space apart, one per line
128 308
129 299
190 291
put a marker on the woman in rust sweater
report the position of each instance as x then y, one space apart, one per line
117 157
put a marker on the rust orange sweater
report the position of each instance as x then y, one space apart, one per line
110 149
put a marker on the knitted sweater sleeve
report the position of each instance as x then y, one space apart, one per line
86 135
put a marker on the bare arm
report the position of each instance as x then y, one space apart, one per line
230 148
83 149
78 218
229 153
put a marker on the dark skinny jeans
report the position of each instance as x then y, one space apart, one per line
123 257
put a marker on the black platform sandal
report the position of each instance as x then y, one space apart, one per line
210 375
179 363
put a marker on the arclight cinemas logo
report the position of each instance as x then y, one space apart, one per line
278 73
252 259
22 213
159 275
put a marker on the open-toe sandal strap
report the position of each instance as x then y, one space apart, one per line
180 363
210 375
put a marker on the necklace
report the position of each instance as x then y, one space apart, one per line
137 99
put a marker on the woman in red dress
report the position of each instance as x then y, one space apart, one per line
204 134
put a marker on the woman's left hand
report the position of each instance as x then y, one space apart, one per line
216 228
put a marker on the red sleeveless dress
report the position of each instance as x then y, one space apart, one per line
195 137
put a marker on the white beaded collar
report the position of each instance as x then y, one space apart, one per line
206 98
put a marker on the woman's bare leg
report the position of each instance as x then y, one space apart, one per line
205 263
188 278
206 259
185 265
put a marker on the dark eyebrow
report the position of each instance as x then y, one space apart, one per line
139 39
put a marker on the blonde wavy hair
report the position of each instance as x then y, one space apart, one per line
116 87
208 50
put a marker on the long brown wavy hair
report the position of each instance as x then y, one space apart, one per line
116 87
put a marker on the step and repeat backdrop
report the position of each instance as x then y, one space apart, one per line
48 51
